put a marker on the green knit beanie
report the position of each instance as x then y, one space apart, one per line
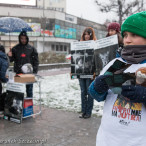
136 24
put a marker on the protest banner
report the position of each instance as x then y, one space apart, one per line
105 51
14 102
82 59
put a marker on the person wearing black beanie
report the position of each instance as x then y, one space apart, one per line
23 41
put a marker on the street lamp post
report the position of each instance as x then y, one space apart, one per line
43 22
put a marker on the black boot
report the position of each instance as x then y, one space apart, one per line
82 115
87 116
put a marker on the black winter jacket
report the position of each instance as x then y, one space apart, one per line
22 54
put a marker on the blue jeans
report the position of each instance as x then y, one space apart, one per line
29 90
86 99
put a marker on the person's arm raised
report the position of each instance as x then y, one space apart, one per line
10 52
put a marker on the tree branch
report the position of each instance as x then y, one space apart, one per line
121 8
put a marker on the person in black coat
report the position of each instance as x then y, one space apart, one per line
24 53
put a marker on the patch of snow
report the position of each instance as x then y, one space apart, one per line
52 64
59 91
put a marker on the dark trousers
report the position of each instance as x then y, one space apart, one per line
86 99
29 90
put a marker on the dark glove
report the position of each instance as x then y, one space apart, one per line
100 84
134 93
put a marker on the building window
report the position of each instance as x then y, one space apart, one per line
57 48
65 48
52 47
61 48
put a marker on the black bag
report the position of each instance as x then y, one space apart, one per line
2 101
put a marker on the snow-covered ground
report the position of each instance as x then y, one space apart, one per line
59 91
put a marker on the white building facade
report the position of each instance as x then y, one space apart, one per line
53 29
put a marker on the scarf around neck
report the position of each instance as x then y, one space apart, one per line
134 53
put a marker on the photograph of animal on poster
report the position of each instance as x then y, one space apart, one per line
13 106
13 110
105 51
82 59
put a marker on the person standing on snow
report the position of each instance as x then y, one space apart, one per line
124 113
24 53
86 99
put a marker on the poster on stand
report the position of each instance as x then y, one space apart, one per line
105 51
82 59
27 107
13 110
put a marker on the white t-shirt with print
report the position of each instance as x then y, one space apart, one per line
123 123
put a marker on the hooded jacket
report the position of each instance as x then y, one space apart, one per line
22 54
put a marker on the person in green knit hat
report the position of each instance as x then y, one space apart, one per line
124 114
135 24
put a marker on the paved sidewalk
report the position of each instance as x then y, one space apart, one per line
52 128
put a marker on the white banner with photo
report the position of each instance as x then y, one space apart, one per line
82 59
105 51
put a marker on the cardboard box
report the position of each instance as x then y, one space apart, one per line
24 78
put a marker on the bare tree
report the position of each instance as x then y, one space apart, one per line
123 8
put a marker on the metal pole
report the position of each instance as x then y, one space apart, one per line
9 33
43 26
40 94
9 40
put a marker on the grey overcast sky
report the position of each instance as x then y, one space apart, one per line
87 9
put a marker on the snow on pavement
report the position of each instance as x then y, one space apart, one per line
59 91
54 71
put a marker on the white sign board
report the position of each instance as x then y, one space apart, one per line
105 42
16 87
82 45
19 2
